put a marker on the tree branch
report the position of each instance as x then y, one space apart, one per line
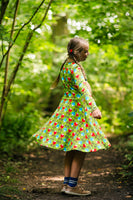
11 36
4 5
13 75
20 31
44 15
2 46
28 21
7 61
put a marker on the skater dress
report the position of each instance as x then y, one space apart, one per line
72 127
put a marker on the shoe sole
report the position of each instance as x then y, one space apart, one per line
76 194
63 191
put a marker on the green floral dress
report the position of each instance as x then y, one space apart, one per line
72 127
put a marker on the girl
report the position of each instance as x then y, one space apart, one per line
73 127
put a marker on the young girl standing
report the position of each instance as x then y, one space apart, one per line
73 127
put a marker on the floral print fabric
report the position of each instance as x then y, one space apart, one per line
72 127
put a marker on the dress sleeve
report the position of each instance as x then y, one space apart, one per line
81 85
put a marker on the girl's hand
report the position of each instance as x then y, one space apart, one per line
97 114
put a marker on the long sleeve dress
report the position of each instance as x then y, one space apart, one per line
72 127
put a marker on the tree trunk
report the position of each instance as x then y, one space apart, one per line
7 87
59 31
3 98
4 4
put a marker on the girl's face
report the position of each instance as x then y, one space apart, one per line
84 53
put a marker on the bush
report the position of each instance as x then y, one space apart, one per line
16 132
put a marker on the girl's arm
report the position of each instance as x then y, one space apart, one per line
83 87
88 87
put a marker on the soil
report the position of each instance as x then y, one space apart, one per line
39 176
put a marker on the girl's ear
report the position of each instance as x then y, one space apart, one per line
76 52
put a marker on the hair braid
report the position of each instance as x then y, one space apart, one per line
82 69
55 83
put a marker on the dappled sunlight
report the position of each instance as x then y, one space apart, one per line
55 178
98 174
128 196
95 157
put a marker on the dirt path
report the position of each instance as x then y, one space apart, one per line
40 177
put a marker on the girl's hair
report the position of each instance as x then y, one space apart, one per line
74 47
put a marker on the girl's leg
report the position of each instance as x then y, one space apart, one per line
77 163
68 162
67 169
73 163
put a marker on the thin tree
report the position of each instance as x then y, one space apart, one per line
4 4
8 84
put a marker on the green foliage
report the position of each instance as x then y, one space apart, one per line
9 192
125 145
17 131
108 27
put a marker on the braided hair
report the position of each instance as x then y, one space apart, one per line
74 48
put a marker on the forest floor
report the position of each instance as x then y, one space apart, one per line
39 176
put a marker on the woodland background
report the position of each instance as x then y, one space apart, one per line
33 41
